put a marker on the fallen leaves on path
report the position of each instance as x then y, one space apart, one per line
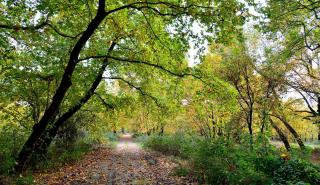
127 164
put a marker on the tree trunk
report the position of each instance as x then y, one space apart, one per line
282 136
50 114
264 120
161 130
318 111
52 132
249 120
292 131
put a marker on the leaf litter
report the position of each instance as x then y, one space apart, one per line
125 164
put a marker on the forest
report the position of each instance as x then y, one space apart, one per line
160 92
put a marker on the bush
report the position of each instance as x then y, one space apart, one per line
60 156
27 180
75 154
11 140
296 171
137 135
223 161
6 164
177 145
111 136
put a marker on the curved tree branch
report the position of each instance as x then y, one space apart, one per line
106 104
142 92
34 141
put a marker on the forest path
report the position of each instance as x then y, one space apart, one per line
127 163
126 144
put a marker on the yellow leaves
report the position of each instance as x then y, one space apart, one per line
216 58
285 156
211 62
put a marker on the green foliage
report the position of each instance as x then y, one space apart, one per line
178 144
111 136
11 139
143 87
6 164
140 138
24 180
221 161
181 171
74 154
294 171
60 156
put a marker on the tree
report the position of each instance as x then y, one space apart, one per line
211 101
237 68
296 23
114 35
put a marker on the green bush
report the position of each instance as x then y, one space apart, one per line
11 140
137 135
141 138
6 163
27 180
111 136
223 161
59 156
296 171
177 145
75 153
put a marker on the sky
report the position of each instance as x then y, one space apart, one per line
192 55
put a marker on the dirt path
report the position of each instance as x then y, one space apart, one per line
126 164
127 145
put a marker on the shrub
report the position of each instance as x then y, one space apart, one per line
6 164
60 156
296 171
223 161
141 138
11 140
111 136
177 145
137 135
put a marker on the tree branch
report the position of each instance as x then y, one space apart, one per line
107 105
39 26
18 27
35 140
148 63
63 34
142 92
305 99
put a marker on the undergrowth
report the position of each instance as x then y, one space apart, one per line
223 161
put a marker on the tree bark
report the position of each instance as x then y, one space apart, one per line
249 120
318 132
161 130
318 112
282 136
52 132
291 130
50 114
